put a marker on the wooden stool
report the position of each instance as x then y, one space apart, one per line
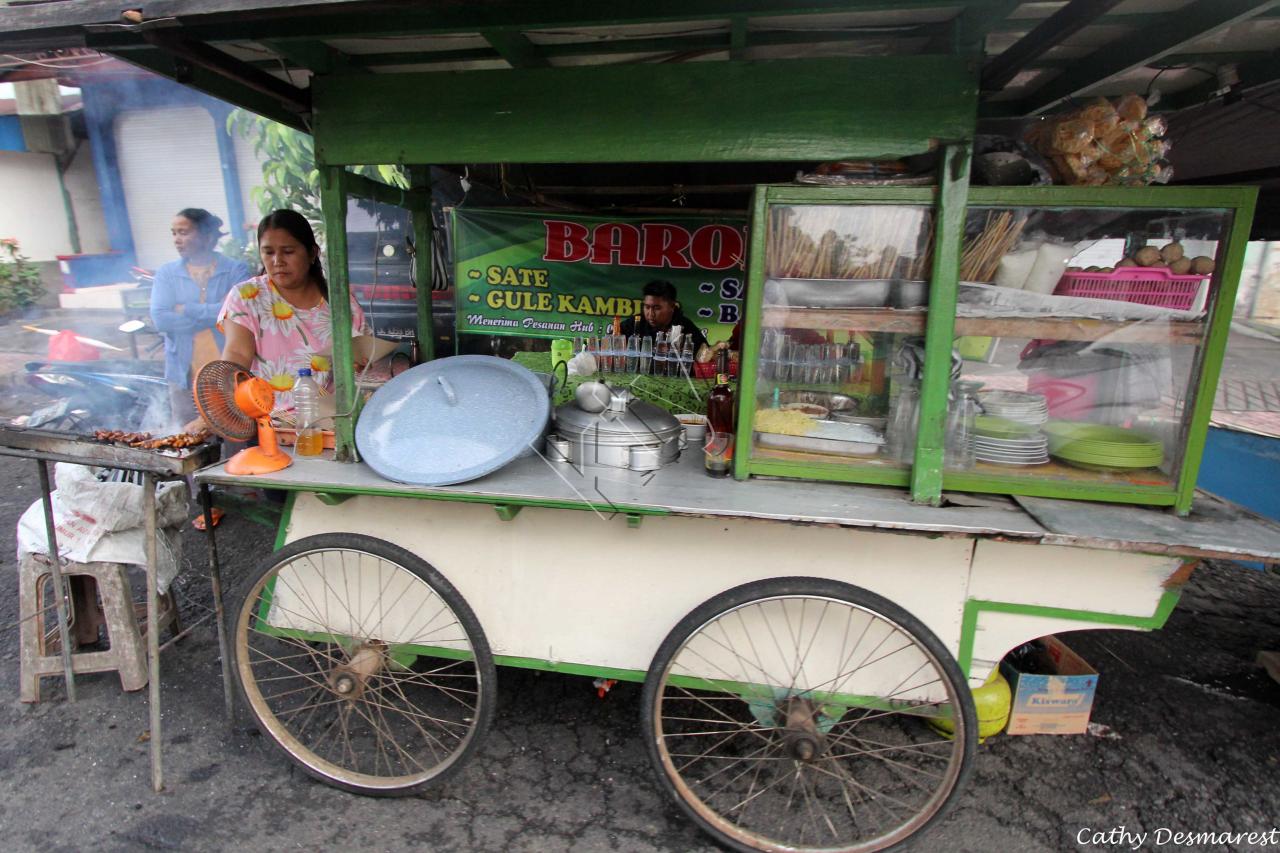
39 648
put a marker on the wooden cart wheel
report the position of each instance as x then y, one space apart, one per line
792 714
363 664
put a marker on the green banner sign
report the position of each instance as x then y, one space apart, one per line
550 275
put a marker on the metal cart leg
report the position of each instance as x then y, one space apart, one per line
59 588
215 581
153 629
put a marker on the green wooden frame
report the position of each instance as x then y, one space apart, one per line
799 109
336 185
926 478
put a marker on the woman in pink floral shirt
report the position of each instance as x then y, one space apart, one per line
279 322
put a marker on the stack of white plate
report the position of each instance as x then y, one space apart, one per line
1020 406
1008 442
1032 450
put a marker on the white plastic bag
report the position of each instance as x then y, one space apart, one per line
582 364
102 522
1051 263
1014 269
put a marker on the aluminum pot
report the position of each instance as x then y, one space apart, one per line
606 439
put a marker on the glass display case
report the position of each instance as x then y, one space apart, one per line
1085 331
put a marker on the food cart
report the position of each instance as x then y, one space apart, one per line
799 627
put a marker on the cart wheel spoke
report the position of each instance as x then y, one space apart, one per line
363 664
791 714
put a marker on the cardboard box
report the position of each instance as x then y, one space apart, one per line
1055 695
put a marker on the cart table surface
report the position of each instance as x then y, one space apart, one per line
1215 528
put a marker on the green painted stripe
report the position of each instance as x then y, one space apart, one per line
1125 197
1038 487
975 606
839 472
635 675
333 203
749 358
940 321
493 500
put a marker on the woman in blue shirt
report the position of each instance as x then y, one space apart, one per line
186 298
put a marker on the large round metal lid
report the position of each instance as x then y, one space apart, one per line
452 420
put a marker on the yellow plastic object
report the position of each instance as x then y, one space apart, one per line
993 701
974 347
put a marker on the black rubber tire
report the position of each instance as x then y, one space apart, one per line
705 615
246 601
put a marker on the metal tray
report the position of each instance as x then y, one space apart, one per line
835 439
827 292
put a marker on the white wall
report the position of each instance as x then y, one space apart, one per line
81 180
249 169
168 160
31 208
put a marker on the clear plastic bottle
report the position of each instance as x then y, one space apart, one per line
661 354
686 357
306 401
646 355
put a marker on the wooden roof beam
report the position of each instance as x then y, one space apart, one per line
1052 31
657 44
174 68
1123 19
515 47
315 56
975 21
1197 20
1255 72
46 25
172 41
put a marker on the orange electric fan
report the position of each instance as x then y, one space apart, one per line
234 403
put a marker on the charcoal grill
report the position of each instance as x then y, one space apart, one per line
45 446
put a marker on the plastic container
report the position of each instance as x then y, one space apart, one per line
1143 285
707 369
961 415
306 401
661 355
561 350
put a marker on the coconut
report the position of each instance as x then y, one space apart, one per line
1147 256
1202 265
1127 262
1171 252
1181 266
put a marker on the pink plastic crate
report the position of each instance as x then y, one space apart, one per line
1143 285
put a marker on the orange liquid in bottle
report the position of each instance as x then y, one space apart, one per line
309 443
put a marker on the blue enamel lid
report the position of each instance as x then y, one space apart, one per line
452 420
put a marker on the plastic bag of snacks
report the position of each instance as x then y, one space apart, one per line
1103 143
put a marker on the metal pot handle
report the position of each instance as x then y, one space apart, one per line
556 384
449 393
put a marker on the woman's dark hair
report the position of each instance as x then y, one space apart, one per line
300 229
661 289
205 222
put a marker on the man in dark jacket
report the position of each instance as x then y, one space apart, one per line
659 312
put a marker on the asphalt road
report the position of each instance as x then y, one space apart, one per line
1194 746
